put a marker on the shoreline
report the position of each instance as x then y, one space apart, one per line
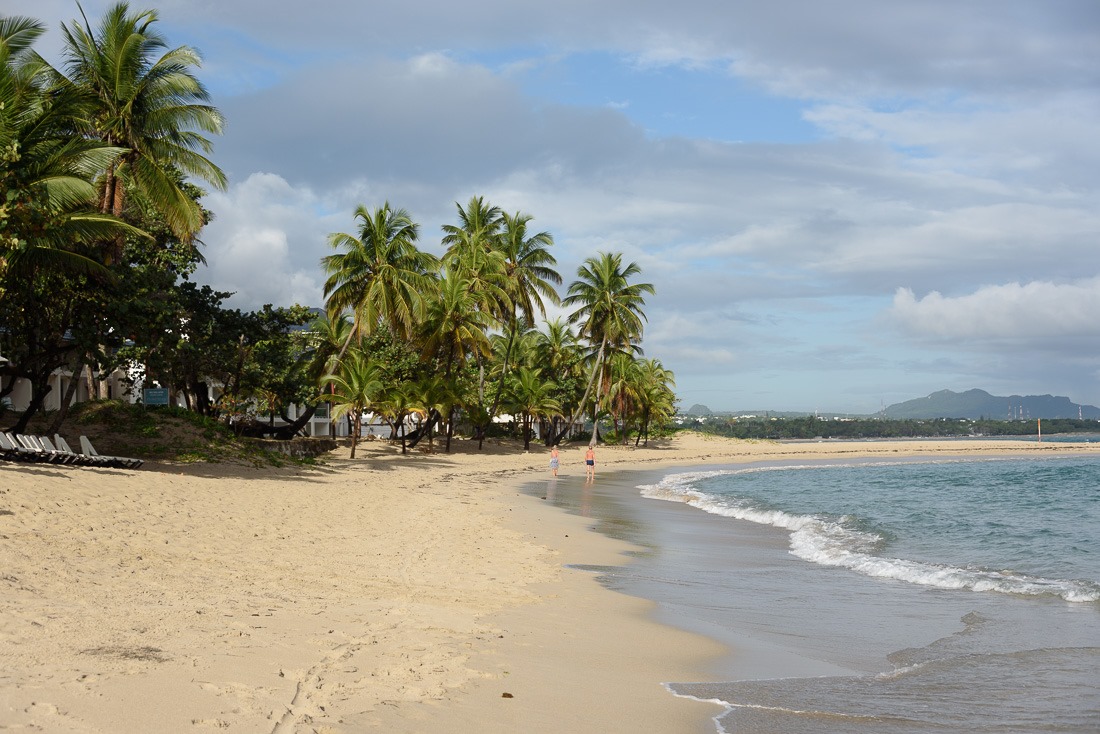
399 593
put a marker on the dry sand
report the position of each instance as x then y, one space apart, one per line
387 593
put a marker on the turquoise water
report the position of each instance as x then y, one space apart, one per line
1028 527
882 597
961 595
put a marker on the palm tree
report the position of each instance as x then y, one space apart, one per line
398 402
327 336
525 349
609 310
531 398
557 346
624 391
455 330
557 351
381 276
352 389
474 252
49 210
48 217
529 278
472 243
529 267
436 394
153 107
658 401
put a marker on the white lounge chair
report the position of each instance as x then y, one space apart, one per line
78 458
117 461
56 455
45 451
29 451
12 449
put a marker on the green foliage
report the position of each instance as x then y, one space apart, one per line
166 433
99 234
810 428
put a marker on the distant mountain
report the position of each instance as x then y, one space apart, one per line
980 404
698 409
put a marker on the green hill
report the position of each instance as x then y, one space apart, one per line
975 404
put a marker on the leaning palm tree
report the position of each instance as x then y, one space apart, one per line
609 311
148 102
352 390
381 276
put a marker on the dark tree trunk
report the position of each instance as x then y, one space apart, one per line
67 399
201 393
425 428
40 389
287 432
450 427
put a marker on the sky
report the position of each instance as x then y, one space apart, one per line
841 205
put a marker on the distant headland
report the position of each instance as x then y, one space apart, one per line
972 404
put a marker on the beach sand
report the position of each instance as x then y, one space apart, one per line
418 593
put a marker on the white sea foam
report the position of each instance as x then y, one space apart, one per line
834 542
727 707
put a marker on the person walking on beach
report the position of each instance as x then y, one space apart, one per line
554 461
590 463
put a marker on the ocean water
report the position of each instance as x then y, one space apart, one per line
1017 527
910 596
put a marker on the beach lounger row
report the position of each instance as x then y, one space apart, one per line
41 449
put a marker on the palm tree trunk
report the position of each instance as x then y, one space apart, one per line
290 430
358 424
112 204
39 390
344 348
504 370
596 405
67 398
584 400
450 427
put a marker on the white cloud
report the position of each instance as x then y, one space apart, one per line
1015 312
957 149
265 243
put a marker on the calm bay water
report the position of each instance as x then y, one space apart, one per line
917 596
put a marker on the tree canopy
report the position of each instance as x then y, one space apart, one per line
102 163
